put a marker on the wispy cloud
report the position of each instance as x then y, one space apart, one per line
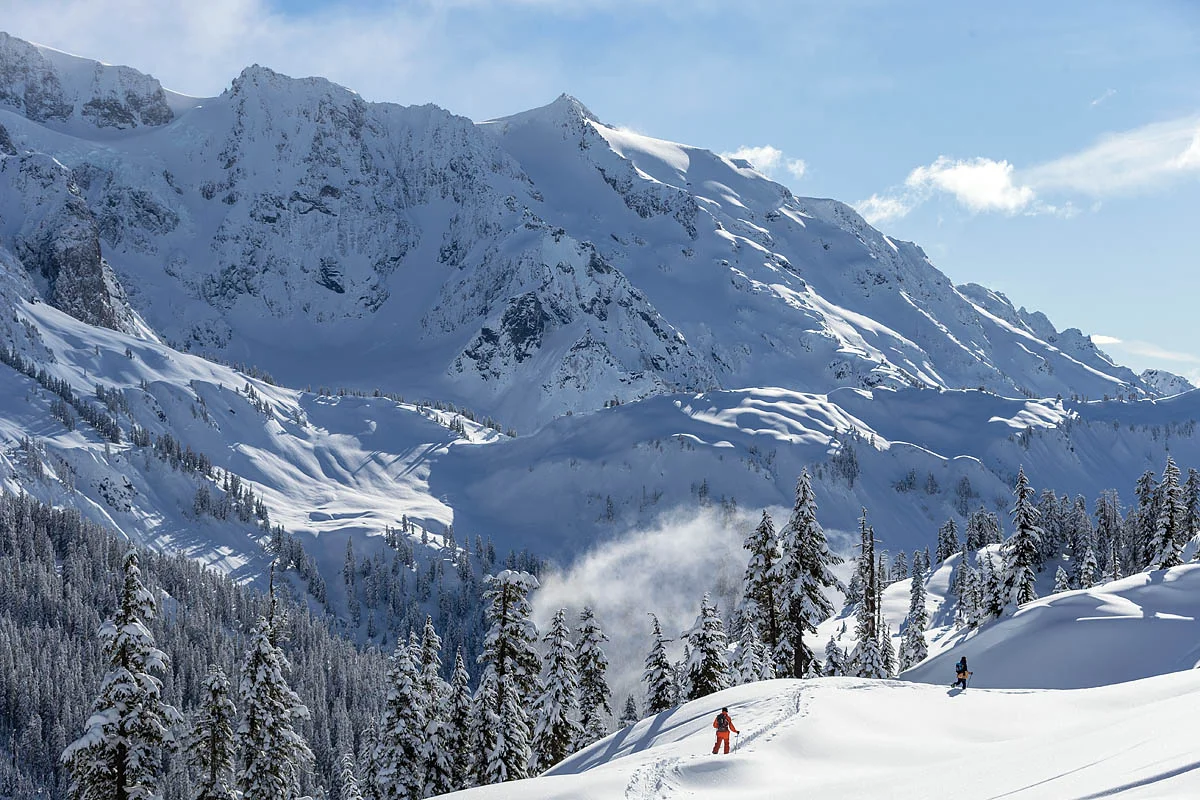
1143 159
1102 340
1106 95
1157 353
770 161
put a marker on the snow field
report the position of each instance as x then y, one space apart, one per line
846 737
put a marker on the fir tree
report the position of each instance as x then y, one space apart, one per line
659 675
401 774
210 749
1022 556
459 721
595 698
348 788
900 567
432 692
887 652
754 662
556 731
1191 505
835 660
1088 569
1110 533
913 648
273 753
991 589
707 667
1168 538
116 757
947 541
1062 583
510 678
806 575
629 714
368 757
1145 522
763 592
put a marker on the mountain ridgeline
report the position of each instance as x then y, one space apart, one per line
533 265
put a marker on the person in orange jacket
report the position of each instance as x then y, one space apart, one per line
724 724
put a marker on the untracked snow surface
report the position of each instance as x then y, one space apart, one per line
851 738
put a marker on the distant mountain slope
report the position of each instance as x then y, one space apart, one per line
528 266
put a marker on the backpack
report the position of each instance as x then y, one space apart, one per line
960 667
722 721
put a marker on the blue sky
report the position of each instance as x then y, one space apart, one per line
1048 150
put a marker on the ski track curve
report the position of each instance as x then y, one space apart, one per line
660 778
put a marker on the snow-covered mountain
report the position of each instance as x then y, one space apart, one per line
526 267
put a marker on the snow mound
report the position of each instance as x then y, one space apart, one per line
844 737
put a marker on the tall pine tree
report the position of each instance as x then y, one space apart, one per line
708 666
913 648
1168 538
763 594
401 773
1021 551
595 698
556 731
210 749
662 690
117 756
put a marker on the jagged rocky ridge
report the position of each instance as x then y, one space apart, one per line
529 266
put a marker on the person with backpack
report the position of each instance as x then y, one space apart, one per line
724 725
960 670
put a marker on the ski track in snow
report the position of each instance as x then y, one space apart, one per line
662 778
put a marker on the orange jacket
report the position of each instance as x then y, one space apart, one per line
717 720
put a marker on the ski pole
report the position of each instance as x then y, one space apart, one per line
737 739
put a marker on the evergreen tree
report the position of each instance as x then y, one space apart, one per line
835 659
1145 521
983 528
1110 533
1191 504
595 698
763 590
459 721
900 567
116 757
659 675
1062 583
867 659
556 731
1088 569
273 753
401 773
1168 538
432 691
967 593
707 667
920 562
368 757
629 714
913 648
805 573
348 788
210 747
887 652
1022 556
947 541
754 662
991 589
510 678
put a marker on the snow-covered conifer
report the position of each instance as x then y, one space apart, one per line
1022 557
595 698
900 567
1168 537
762 587
556 732
1110 533
432 692
806 575
368 758
659 676
348 788
887 652
120 749
947 541
629 714
273 753
708 667
1145 521
1062 583
913 648
459 723
401 773
835 659
210 750
753 661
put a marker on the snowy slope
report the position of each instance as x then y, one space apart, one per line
525 267
841 737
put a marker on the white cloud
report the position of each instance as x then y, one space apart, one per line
1157 352
1144 158
769 160
1101 339
877 209
1107 94
980 184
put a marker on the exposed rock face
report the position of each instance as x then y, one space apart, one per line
1166 383
49 87
49 227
